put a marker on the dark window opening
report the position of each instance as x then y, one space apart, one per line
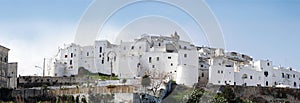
71 55
266 73
282 75
267 83
158 44
71 62
102 61
153 66
157 58
87 54
251 77
185 55
132 47
66 56
202 74
100 50
138 65
201 65
268 64
169 57
293 75
150 59
171 64
295 84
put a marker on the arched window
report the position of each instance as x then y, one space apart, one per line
244 76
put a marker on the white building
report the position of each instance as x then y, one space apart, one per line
176 59
238 69
154 55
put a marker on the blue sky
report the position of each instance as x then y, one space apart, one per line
269 29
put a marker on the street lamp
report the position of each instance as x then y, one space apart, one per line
41 67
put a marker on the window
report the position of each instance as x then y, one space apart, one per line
108 59
138 65
266 73
87 54
282 75
219 82
71 55
295 84
71 62
288 76
171 64
153 66
185 55
293 75
100 50
150 60
268 64
66 56
184 47
201 65
132 47
202 74
102 61
158 44
267 83
169 57
219 71
251 77
157 58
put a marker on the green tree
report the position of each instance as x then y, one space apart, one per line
195 96
146 81
124 81
218 99
228 94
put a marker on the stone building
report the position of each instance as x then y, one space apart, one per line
8 71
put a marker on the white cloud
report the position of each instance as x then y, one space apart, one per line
29 49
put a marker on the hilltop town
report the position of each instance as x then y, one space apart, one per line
150 65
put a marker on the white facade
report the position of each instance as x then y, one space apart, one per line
239 69
147 55
179 60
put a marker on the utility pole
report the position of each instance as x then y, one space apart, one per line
44 67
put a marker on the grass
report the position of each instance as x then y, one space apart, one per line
104 77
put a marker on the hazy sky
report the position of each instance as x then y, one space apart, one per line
33 29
